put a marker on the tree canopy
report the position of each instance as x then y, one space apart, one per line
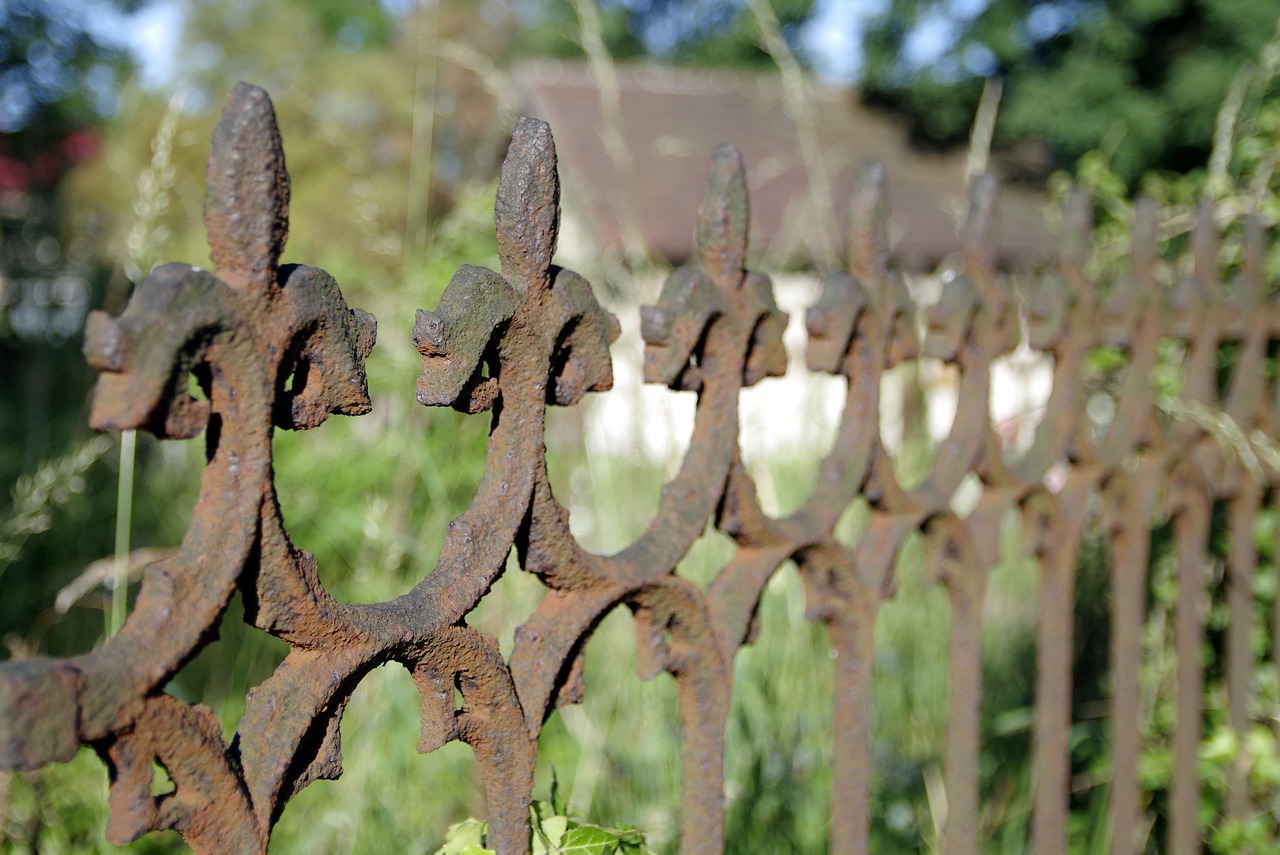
1144 76
57 73
680 32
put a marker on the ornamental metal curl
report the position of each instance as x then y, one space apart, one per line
277 347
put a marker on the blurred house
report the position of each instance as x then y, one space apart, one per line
671 119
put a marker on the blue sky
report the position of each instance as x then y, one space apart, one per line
151 34
833 36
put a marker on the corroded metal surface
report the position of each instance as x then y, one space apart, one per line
277 347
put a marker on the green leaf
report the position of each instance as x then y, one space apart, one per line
1220 748
465 838
554 828
628 834
541 844
1155 768
590 840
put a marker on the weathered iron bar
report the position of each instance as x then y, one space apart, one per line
277 347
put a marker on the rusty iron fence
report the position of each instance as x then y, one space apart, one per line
277 347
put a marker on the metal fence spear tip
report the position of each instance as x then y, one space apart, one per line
1248 287
980 227
1205 245
724 218
527 211
247 192
1144 250
1077 232
867 252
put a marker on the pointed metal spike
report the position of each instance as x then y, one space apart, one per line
527 210
724 218
867 253
247 204
980 227
1250 285
1144 249
1077 233
1204 246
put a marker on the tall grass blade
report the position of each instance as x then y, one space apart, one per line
124 516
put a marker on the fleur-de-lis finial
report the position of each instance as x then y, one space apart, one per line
527 210
247 204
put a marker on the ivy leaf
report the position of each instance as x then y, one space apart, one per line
631 840
590 840
556 831
554 828
465 838
540 845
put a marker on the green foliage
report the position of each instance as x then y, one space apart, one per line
1149 76
557 830
550 28
1239 177
351 24
1240 180
707 33
37 497
57 82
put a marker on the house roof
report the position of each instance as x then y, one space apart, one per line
673 118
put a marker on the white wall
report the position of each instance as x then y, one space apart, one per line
797 414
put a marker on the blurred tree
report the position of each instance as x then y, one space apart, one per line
683 32
1144 77
389 114
57 75
59 78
